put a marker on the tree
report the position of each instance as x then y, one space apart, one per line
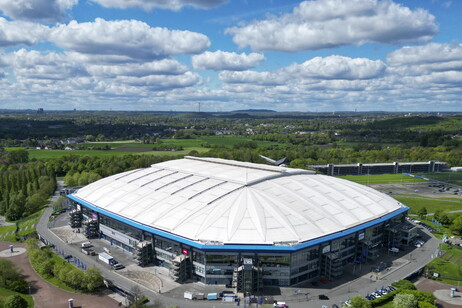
15 301
456 225
93 279
137 296
10 277
34 202
359 302
405 301
17 157
422 212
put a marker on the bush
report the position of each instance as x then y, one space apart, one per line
405 301
404 284
45 265
10 277
421 296
19 285
15 301
384 298
426 305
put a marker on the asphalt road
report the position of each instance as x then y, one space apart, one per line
341 290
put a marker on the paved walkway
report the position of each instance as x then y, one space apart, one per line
12 253
46 295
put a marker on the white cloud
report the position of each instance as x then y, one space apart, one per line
338 67
35 65
130 38
221 60
425 60
162 67
47 11
322 24
429 53
161 82
252 77
21 32
149 5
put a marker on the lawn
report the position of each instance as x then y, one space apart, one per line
416 203
6 229
4 293
451 177
121 148
24 223
448 266
381 178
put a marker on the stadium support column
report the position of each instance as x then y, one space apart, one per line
431 166
247 277
330 169
395 167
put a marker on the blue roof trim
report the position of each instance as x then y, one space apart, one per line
260 248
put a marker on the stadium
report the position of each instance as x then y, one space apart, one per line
240 224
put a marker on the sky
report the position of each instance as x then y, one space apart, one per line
224 55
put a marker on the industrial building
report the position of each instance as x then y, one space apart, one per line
247 225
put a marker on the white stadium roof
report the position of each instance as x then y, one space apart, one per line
217 201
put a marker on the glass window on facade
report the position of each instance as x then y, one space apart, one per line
275 261
304 256
226 260
120 226
198 256
347 242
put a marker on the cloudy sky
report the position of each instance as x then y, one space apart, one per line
285 55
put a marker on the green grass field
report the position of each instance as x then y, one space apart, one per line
449 265
450 177
25 227
121 148
4 293
432 205
381 178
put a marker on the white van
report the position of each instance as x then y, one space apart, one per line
86 245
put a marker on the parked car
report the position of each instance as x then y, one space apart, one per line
118 266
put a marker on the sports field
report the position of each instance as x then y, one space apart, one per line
381 178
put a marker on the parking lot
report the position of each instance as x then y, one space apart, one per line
429 189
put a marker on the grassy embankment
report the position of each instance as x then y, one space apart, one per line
26 226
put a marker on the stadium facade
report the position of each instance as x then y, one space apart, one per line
242 224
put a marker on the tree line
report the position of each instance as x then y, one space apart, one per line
24 188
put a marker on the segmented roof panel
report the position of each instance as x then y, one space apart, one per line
211 200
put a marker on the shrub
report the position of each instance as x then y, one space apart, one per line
405 301
404 284
426 305
15 301
421 296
